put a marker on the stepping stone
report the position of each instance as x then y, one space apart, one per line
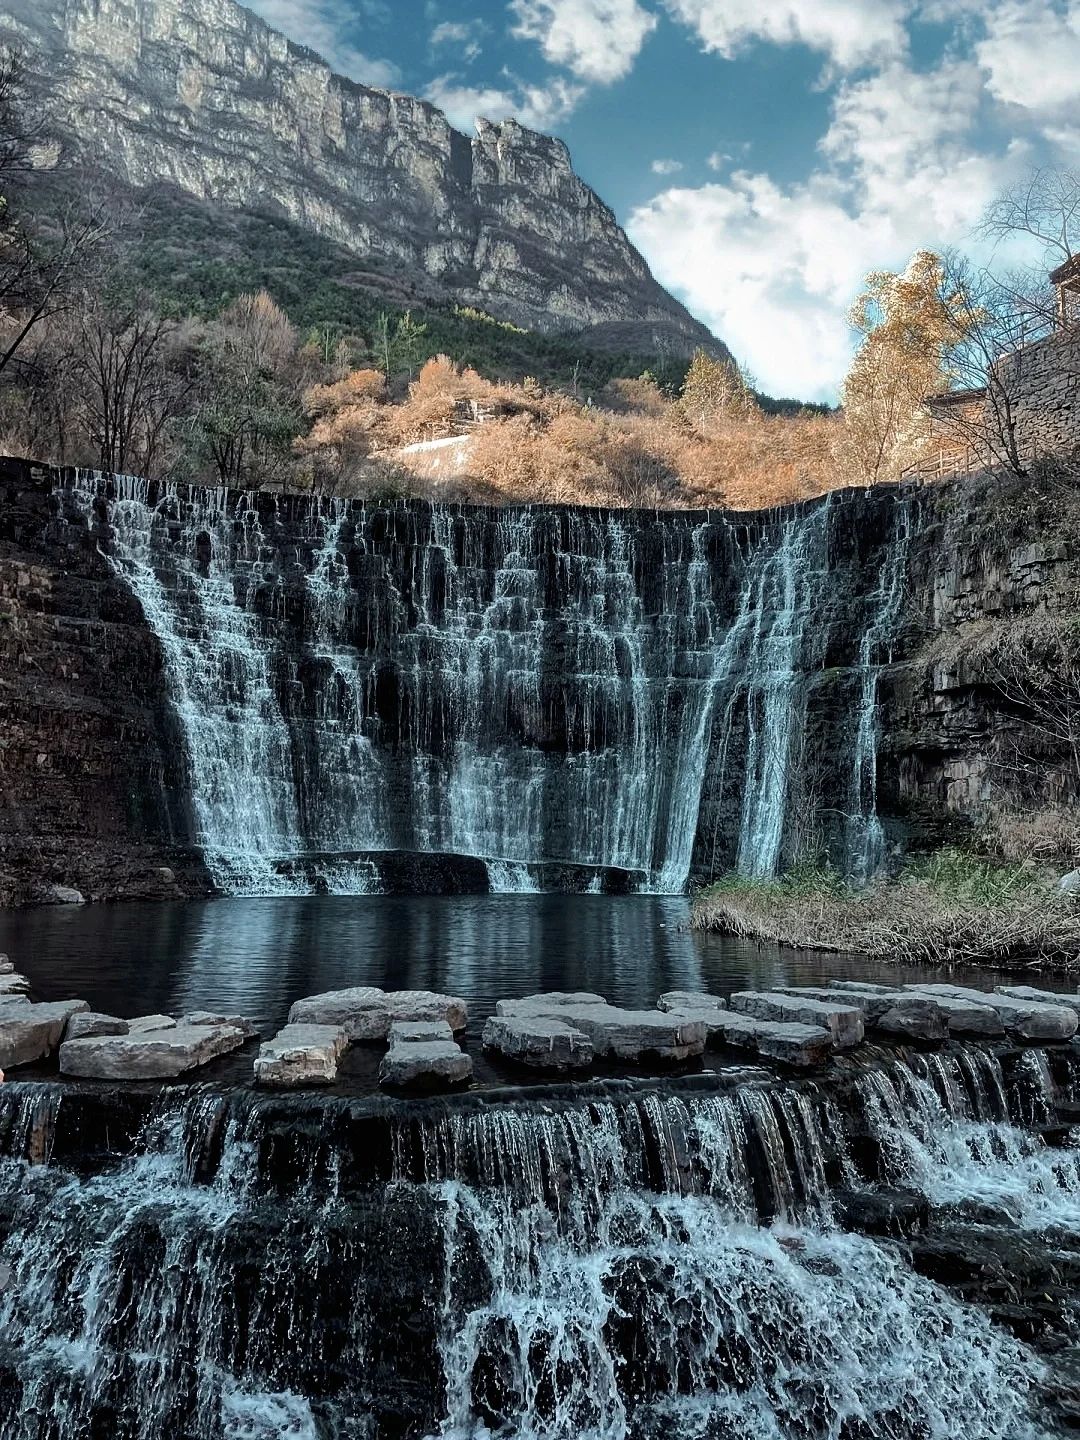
13 984
617 1034
862 987
425 1066
1024 1019
549 1002
539 1042
205 1017
1039 997
91 1023
687 1001
962 1016
301 1055
366 1013
790 1042
148 1055
893 1012
148 1024
844 1022
405 1030
7 965
29 1033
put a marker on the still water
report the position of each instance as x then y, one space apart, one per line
256 956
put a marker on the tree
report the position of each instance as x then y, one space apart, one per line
1042 213
907 331
715 388
398 348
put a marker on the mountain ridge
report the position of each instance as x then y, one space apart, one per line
205 96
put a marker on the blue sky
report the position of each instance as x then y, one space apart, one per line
763 154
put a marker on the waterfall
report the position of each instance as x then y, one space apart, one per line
607 1268
539 690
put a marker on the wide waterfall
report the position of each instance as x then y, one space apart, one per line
572 698
668 1261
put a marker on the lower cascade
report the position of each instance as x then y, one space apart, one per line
689 1260
569 698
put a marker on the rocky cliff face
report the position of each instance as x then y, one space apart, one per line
202 94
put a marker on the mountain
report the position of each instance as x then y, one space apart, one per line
203 96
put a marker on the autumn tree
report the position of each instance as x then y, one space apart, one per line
906 335
715 388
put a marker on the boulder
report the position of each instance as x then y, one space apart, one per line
206 1017
148 1024
549 1002
29 1033
91 1023
7 965
366 1013
539 1042
1024 1019
64 895
148 1055
301 1055
790 1042
687 1001
844 1022
425 1066
1069 884
892 1012
13 984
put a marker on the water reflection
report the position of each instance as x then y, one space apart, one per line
256 956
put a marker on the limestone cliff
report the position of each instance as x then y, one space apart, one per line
205 96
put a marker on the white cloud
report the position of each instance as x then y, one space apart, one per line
322 26
850 32
1031 53
540 107
772 269
464 35
666 167
598 40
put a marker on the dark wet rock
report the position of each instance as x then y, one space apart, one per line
301 1055
425 1067
539 1042
366 1013
882 1212
148 1055
843 1021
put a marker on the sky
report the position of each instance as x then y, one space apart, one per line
764 155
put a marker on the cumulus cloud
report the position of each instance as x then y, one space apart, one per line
324 26
1031 54
540 107
849 32
666 167
597 40
773 268
463 35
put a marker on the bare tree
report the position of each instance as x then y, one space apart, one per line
1045 207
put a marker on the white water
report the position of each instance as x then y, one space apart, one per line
530 688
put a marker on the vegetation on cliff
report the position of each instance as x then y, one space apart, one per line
948 908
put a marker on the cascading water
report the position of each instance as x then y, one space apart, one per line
540 689
606 1268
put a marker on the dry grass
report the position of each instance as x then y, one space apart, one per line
925 917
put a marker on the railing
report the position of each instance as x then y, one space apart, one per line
946 462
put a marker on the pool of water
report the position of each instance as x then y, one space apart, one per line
255 957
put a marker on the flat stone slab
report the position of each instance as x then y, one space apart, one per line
539 1042
1026 1019
425 1066
207 1017
844 1022
402 1031
685 1002
617 1034
14 984
301 1055
862 987
148 1024
962 1016
790 1042
892 1012
91 1023
29 1032
366 1013
549 1002
1038 997
148 1055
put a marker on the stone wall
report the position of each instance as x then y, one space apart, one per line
1043 382
88 795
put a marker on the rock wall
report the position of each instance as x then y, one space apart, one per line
205 96
1043 381
88 793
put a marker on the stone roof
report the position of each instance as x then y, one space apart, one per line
954 397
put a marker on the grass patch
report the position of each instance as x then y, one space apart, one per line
944 909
